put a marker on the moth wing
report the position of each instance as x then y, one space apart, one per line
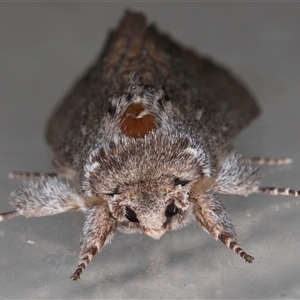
76 120
219 102
206 92
224 106
202 89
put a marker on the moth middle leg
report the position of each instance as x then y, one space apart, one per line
213 217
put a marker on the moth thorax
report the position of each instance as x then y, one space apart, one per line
136 121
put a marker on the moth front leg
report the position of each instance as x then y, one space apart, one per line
43 196
213 217
98 229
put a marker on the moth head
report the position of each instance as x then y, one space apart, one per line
151 205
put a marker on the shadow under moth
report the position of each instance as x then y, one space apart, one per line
146 138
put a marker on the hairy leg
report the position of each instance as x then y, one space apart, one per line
98 228
212 216
239 175
43 196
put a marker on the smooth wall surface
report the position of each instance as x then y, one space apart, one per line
45 47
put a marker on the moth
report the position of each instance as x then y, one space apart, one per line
146 137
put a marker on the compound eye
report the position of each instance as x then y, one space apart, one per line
171 210
130 215
182 182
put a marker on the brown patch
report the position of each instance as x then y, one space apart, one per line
135 124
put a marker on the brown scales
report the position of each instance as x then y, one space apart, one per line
136 123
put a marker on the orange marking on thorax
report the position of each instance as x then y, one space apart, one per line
135 124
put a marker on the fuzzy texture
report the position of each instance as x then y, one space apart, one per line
45 196
146 136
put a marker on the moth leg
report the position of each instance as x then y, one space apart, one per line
271 161
8 215
29 175
44 196
278 191
98 228
237 176
213 217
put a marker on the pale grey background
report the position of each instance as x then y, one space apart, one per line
45 47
